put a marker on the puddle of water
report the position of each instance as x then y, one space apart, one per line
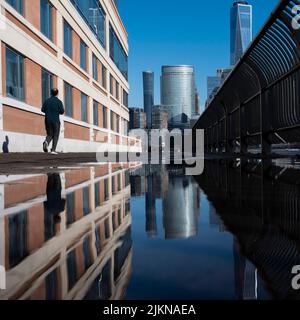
124 231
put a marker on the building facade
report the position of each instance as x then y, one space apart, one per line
138 119
81 48
178 93
240 30
215 82
148 82
87 254
160 118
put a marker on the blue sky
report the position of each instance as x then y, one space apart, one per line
194 32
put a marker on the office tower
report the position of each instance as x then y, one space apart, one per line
137 118
197 103
53 44
240 30
159 117
215 82
148 82
178 94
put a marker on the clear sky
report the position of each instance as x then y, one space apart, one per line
194 32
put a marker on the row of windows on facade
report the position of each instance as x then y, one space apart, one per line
95 17
99 71
19 251
15 89
18 225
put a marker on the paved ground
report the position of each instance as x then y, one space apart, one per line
22 163
15 163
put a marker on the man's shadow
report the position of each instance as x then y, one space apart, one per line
5 145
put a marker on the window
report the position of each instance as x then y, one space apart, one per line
95 113
117 53
117 91
112 117
17 5
84 102
46 18
70 208
106 189
14 75
47 84
104 75
94 16
87 252
118 124
67 39
69 100
95 68
97 194
104 117
72 269
86 200
83 51
125 98
18 244
111 84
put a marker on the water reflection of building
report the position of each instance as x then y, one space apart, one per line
50 258
259 204
180 198
245 275
181 208
215 220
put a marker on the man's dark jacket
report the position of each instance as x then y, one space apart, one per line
52 108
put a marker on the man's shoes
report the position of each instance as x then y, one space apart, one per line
54 152
45 146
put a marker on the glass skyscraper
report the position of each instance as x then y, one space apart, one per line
178 90
148 81
240 30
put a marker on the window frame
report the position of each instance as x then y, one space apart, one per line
50 26
69 51
20 75
67 106
19 7
84 107
51 75
83 59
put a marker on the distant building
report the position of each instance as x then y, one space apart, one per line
197 103
137 118
178 93
148 82
240 30
215 82
194 120
160 117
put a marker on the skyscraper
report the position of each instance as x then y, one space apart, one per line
148 81
137 118
178 94
240 29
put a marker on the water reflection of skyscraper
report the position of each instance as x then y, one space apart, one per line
181 208
180 197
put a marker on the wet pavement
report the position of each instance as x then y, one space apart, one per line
127 231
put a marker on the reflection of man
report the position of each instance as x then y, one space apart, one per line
54 204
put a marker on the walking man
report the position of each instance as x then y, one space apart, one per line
52 107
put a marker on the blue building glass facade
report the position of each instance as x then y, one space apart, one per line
148 83
240 30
